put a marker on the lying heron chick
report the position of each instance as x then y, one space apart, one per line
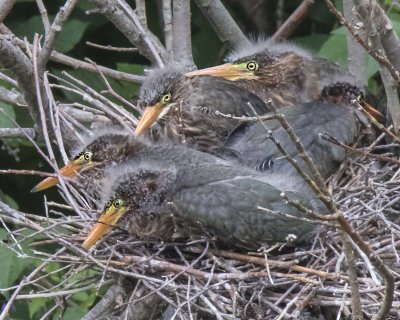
333 113
146 197
106 147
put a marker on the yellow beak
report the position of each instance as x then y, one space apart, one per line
149 116
103 226
228 71
68 171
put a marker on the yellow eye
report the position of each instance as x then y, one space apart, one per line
166 98
252 66
88 156
85 156
359 98
118 203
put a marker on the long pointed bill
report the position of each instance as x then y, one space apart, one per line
68 171
373 112
228 71
149 116
103 226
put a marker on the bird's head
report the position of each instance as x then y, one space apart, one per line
344 92
264 61
135 198
159 92
99 150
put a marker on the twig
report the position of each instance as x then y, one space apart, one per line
379 157
17 132
126 21
7 307
380 58
352 272
110 48
291 23
5 8
51 36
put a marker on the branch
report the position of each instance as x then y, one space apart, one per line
140 10
182 35
17 133
126 21
107 304
13 58
75 63
12 97
390 84
357 57
51 36
5 8
377 56
222 22
352 272
389 39
287 28
168 26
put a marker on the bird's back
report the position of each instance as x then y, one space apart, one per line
253 145
226 199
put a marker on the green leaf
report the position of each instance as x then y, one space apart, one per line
335 48
73 313
8 200
312 42
137 69
35 305
11 266
29 28
5 121
70 35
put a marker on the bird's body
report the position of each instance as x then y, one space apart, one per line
332 113
187 117
281 72
196 187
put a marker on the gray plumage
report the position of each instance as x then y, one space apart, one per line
196 187
332 114
188 117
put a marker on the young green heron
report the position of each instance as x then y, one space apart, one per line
333 113
280 71
183 107
106 147
196 187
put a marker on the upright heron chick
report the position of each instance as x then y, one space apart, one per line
280 71
185 107
146 198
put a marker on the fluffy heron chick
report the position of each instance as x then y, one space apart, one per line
333 113
104 148
280 71
146 197
185 108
